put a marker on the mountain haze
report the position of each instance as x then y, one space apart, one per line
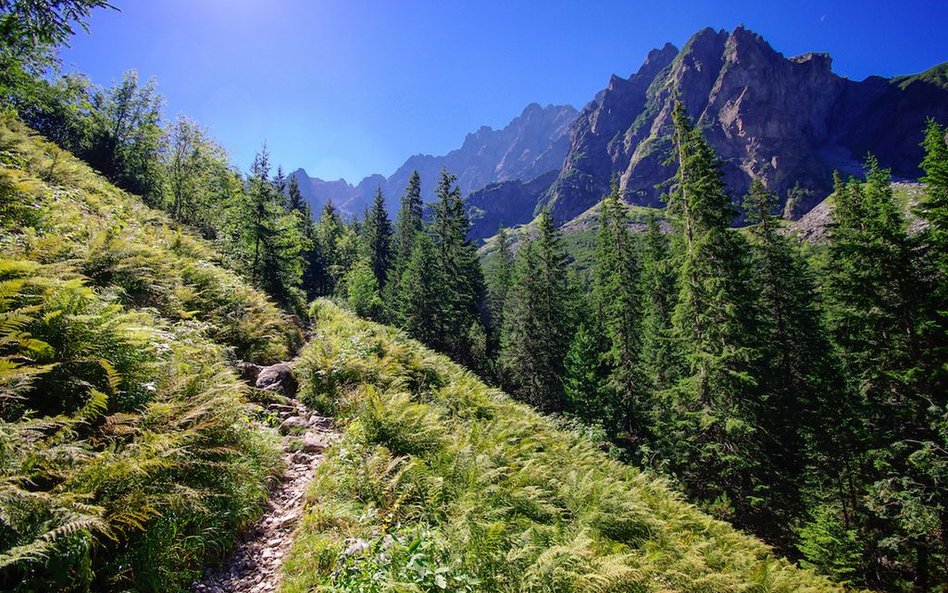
533 143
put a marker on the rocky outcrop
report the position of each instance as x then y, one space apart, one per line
506 203
787 121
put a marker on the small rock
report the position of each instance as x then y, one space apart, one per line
320 421
249 371
278 378
293 422
312 443
356 547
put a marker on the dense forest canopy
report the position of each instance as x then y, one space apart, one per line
799 392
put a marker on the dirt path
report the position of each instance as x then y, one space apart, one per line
254 566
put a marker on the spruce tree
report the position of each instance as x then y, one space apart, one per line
707 425
537 327
377 239
619 307
586 370
328 237
499 279
880 318
294 197
462 283
277 265
408 223
806 413
419 294
659 361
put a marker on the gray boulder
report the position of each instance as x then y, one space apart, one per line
278 378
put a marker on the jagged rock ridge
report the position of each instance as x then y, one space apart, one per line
789 121
532 144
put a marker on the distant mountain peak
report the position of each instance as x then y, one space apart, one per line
531 144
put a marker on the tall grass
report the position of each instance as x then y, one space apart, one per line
128 455
441 483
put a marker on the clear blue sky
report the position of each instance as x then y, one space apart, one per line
345 88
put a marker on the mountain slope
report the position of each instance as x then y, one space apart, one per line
532 144
127 453
441 483
788 121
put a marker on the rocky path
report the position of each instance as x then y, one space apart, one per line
254 566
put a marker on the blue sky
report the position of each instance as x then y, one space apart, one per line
345 88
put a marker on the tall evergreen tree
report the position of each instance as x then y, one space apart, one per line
537 326
408 223
708 424
499 279
586 371
277 244
462 282
659 361
377 239
419 295
878 313
328 237
294 197
806 414
619 306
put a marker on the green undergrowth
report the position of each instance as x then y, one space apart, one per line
441 483
128 456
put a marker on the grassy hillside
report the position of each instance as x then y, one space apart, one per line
127 452
441 483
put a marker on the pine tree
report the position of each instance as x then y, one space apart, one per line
879 317
499 280
461 277
419 296
408 222
708 424
294 197
619 307
329 233
279 186
377 239
537 328
586 372
660 361
277 265
806 414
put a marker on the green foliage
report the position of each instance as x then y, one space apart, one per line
127 451
537 321
461 279
829 546
618 307
882 304
707 423
362 290
377 240
439 475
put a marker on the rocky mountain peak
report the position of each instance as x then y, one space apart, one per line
789 122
